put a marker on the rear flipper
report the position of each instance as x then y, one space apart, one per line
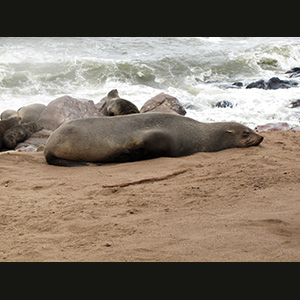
55 161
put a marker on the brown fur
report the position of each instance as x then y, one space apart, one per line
117 106
8 114
141 136
31 113
5 125
19 133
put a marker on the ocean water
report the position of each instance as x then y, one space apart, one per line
193 69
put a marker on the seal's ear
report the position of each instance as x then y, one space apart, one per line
230 131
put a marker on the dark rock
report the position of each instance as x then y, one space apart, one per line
163 103
238 84
223 104
260 84
66 108
295 72
273 84
235 85
295 104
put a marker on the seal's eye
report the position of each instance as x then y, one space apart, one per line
245 134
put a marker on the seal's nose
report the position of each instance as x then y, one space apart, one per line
260 140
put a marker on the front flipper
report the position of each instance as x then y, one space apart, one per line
150 144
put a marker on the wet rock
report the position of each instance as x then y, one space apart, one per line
273 84
260 84
295 104
224 104
163 103
295 72
235 85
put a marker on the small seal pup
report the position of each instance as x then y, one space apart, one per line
141 136
5 125
117 106
19 133
31 113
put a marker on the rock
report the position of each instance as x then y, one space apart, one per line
238 84
295 104
260 84
235 85
223 104
66 108
102 107
163 103
295 72
273 84
273 127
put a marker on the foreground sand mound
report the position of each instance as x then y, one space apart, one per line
233 205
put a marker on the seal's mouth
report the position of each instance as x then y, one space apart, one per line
254 141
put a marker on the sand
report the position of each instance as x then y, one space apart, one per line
233 205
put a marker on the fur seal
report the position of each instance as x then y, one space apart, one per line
31 113
141 136
117 106
8 114
19 133
5 125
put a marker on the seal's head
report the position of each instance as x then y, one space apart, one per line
243 136
113 94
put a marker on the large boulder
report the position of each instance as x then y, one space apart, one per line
66 108
163 103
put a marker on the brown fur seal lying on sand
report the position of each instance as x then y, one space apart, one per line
117 106
141 136
5 125
19 133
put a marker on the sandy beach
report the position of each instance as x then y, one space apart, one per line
233 205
